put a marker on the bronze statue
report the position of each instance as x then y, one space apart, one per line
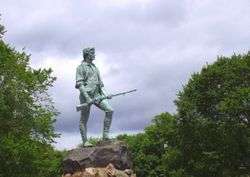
91 87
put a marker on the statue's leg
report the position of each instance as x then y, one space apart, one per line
105 106
83 123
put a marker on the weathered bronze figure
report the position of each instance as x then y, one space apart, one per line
90 85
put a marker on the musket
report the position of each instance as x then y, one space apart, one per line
99 99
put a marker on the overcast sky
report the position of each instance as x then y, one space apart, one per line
151 45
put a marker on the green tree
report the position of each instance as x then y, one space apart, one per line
213 116
155 151
1 29
209 135
27 116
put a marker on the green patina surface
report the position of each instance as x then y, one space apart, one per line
90 85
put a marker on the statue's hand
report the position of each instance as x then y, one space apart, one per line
109 97
85 94
88 100
98 99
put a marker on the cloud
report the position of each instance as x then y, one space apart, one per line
109 26
151 45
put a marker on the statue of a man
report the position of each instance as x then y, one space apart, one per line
90 85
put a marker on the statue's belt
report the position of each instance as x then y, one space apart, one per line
85 82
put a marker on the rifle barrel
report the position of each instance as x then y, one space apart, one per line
79 107
123 93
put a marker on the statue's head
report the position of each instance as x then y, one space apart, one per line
88 53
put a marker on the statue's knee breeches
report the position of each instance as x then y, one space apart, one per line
105 106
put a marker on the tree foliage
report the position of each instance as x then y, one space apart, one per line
209 135
155 151
213 115
27 116
2 31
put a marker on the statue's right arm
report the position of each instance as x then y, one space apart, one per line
80 77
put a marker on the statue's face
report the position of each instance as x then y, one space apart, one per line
89 54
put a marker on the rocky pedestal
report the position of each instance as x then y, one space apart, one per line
105 159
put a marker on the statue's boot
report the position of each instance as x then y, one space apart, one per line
83 131
106 125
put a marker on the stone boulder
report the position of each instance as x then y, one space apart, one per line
104 153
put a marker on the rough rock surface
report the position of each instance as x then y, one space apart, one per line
105 153
109 171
